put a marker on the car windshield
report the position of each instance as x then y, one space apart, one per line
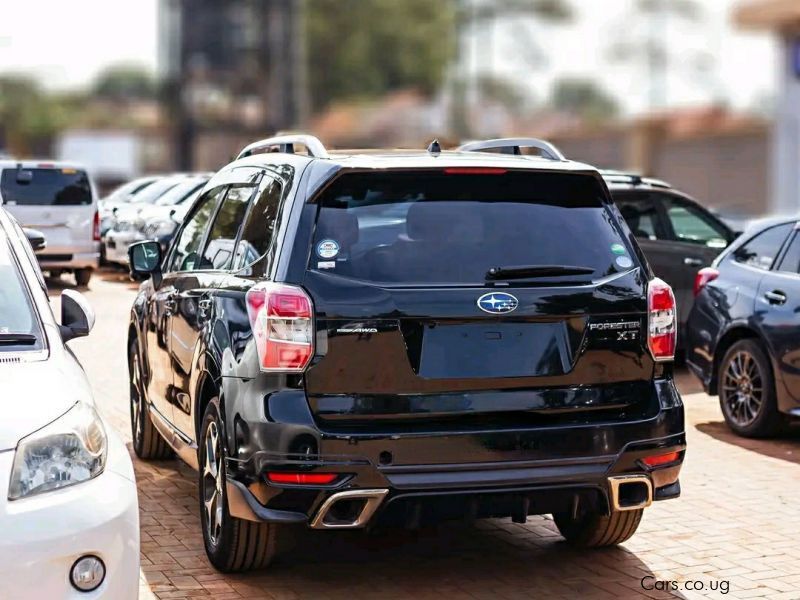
180 192
19 325
45 186
126 191
452 227
153 192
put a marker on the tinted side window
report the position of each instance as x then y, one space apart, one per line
641 216
259 229
185 252
221 239
791 259
760 252
694 226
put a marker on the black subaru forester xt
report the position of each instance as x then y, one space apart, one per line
345 340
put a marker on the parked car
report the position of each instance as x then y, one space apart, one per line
678 235
68 504
338 341
58 199
120 197
134 223
743 339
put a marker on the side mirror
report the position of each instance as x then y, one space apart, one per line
35 238
77 316
144 259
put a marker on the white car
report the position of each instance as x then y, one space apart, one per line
133 222
69 519
58 199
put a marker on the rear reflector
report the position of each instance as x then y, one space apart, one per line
474 171
704 277
661 320
281 318
661 459
302 478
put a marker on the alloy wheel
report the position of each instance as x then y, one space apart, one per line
212 483
137 412
742 388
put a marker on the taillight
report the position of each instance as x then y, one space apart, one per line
282 320
96 227
704 277
661 320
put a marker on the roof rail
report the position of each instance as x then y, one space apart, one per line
633 179
286 144
514 146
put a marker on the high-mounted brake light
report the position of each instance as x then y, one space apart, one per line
703 278
662 319
302 478
282 320
96 227
475 171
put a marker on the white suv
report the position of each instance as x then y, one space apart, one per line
60 200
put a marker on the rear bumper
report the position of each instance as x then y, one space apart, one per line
67 258
531 470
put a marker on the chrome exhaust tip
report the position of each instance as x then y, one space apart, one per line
349 509
630 492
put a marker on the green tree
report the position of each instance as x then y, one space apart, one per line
121 82
28 117
584 98
364 48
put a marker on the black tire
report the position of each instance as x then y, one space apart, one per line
748 404
147 441
236 545
83 277
593 530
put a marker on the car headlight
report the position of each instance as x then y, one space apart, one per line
69 450
154 229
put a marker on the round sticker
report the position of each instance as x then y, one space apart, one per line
617 248
624 262
327 249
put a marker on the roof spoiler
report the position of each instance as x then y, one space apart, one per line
514 146
286 144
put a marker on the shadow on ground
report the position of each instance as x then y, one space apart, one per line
785 447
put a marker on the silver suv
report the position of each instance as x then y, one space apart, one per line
59 200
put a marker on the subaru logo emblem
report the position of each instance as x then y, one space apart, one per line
497 303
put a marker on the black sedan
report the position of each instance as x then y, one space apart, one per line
743 334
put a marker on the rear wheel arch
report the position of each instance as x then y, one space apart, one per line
207 390
728 339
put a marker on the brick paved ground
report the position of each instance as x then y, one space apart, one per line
737 522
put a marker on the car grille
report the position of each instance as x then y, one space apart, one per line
124 226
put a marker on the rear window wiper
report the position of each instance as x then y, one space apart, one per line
17 339
524 271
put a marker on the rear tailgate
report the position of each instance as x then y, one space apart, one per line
57 201
413 334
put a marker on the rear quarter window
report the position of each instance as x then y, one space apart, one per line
760 251
435 227
45 187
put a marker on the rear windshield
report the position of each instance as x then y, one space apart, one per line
19 325
51 187
450 228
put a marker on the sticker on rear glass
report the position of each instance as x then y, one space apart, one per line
326 264
617 248
4 330
624 262
327 249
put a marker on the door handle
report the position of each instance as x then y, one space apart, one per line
692 262
775 297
